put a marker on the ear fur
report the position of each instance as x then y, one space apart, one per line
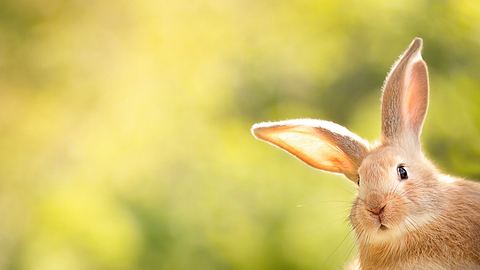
321 144
405 97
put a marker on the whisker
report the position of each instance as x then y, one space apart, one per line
338 246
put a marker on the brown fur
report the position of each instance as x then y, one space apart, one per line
449 240
428 221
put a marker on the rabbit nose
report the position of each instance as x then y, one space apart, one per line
375 204
378 211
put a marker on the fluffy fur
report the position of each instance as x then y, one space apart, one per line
428 221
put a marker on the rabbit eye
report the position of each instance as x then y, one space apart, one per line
402 172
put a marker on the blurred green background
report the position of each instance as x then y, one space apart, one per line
124 125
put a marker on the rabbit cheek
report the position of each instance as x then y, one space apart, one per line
395 212
362 219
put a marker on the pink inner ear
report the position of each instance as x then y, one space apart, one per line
315 144
310 147
417 96
321 144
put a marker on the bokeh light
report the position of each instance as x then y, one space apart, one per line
124 125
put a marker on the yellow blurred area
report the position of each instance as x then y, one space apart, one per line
124 126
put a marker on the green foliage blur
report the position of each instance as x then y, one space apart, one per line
124 125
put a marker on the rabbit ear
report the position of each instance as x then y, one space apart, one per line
321 144
405 97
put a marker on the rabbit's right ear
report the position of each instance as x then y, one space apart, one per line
321 144
405 97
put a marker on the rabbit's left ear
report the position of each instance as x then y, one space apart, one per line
321 144
405 97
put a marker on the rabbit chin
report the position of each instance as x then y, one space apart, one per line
389 232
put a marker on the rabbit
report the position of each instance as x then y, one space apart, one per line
407 214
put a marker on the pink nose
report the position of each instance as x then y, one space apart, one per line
377 211
375 203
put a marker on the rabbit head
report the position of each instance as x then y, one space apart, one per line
397 185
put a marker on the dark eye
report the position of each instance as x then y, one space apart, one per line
402 172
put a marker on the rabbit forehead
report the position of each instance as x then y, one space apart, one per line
378 169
